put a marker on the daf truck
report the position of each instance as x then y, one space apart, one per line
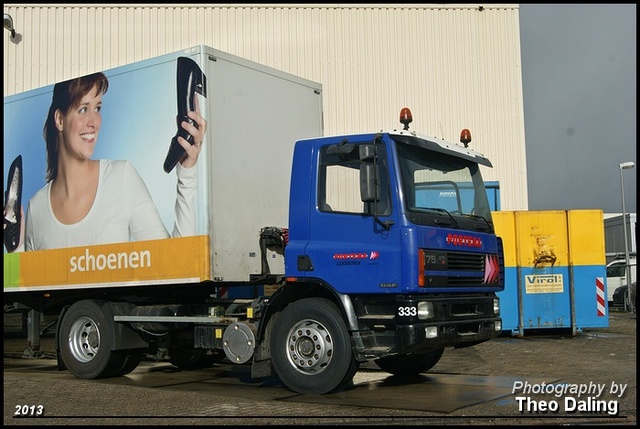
309 256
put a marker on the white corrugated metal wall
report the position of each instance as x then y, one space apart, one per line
455 66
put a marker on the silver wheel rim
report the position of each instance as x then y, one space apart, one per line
309 347
84 339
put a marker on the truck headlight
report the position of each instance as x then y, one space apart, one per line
496 306
425 310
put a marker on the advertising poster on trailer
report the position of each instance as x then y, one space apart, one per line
103 181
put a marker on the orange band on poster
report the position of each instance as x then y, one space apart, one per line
183 259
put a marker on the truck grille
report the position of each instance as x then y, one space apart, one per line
459 269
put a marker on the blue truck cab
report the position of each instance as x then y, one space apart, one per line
393 231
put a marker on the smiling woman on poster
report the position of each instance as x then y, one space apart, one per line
98 201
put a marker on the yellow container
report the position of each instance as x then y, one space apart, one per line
555 273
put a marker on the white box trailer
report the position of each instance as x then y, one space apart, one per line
253 112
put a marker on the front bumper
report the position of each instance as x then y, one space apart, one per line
398 326
428 336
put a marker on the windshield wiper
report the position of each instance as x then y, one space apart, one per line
441 210
477 217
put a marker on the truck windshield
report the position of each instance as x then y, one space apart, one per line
443 190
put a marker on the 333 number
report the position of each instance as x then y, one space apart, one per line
407 311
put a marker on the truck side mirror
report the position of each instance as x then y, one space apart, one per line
368 179
368 183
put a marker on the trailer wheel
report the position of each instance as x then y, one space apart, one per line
409 363
86 335
311 347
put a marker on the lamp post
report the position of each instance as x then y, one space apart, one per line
626 166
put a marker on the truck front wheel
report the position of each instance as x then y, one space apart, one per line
311 347
409 363
86 335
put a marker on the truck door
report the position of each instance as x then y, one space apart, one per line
354 245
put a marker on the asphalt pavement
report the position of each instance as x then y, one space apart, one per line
509 380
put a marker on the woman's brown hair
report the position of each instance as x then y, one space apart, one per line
66 96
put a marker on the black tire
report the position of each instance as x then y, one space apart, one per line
311 347
351 372
132 359
86 338
122 363
409 363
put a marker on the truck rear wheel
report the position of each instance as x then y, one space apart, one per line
311 347
409 363
86 335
